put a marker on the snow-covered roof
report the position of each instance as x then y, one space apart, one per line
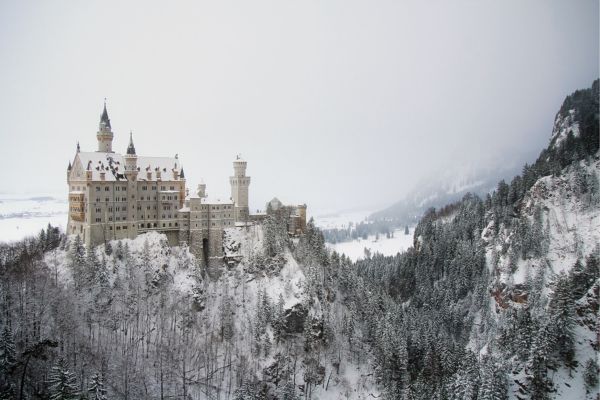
113 165
184 209
208 200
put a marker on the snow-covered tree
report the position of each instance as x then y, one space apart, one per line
62 384
96 388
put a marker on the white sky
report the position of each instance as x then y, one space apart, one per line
335 103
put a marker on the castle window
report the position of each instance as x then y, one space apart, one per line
106 199
125 228
162 188
118 228
153 187
106 189
98 219
144 187
175 197
97 188
163 224
118 188
176 224
155 222
169 224
110 227
172 187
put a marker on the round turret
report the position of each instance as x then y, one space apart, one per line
105 134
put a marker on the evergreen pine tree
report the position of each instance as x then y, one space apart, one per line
288 392
590 375
96 389
561 310
8 354
77 261
61 382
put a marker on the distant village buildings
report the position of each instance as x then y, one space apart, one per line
118 196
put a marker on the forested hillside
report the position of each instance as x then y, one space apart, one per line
497 299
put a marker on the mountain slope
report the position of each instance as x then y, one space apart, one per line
497 299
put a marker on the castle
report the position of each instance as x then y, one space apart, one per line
117 196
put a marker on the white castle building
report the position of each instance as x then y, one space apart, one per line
117 196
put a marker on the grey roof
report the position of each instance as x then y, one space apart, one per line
131 147
104 117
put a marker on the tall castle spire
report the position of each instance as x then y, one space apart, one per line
105 134
104 117
131 147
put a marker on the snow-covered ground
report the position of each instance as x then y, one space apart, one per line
341 219
388 247
355 249
26 215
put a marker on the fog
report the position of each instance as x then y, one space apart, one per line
338 104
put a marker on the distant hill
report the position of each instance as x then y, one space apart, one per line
441 191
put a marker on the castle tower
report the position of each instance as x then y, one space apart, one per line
105 134
239 189
201 191
131 173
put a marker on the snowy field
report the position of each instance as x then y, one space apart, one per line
355 249
26 215
388 247
340 220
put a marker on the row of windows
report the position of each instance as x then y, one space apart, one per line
117 188
110 219
204 207
225 223
155 225
213 216
121 188
110 209
106 199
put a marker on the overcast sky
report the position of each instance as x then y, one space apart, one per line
334 103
